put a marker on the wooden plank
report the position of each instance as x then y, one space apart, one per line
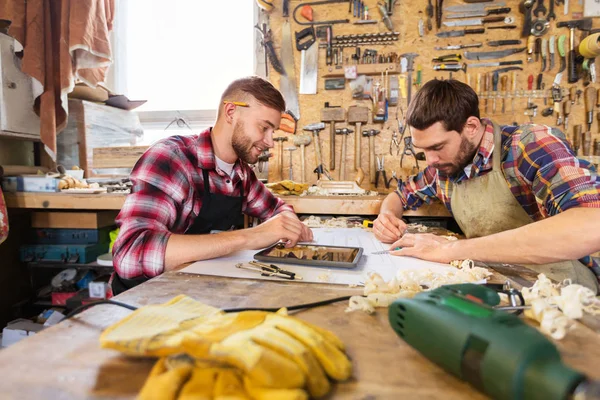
117 157
366 69
73 219
384 366
65 201
363 205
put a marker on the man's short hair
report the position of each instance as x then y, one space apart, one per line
447 101
253 86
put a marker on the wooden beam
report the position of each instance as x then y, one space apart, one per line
117 157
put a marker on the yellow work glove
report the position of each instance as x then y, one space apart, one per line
183 378
274 350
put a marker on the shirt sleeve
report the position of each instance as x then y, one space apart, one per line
559 180
418 189
260 202
160 186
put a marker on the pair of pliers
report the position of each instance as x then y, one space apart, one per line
288 127
409 150
381 169
394 177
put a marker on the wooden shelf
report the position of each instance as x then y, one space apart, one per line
333 205
366 69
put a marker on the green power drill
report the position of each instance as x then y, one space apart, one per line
457 327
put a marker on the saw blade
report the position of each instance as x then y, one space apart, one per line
309 65
462 8
288 80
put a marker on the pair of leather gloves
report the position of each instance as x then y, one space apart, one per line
206 353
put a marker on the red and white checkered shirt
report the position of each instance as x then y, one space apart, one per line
167 195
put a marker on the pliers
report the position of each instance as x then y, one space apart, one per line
381 169
409 151
394 177
395 143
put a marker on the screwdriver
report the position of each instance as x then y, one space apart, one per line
576 138
514 89
566 112
478 85
484 90
590 99
503 82
572 94
495 89
529 89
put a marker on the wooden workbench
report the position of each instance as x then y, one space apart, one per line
336 205
66 362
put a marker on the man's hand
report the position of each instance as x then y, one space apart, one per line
284 226
425 246
388 228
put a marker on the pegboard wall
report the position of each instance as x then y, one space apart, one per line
410 22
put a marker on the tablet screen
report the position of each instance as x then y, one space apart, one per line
310 252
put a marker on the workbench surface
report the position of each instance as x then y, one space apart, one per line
65 361
336 205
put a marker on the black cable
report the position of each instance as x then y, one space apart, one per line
229 310
84 307
291 308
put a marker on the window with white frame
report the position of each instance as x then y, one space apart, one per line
180 55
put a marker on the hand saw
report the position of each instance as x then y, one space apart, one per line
309 59
288 80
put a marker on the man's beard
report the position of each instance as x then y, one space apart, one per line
242 145
465 155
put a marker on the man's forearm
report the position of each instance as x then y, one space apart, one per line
570 235
392 205
187 248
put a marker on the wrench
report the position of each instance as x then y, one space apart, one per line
540 9
551 15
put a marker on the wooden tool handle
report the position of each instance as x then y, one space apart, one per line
587 142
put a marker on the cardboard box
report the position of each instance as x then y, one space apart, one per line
19 329
28 183
73 220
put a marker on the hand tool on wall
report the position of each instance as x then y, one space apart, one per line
562 52
576 141
459 33
586 144
484 88
514 90
288 122
438 13
309 59
344 132
381 171
498 64
393 178
409 150
302 141
530 48
557 98
526 8
288 85
387 21
410 62
458 46
371 133
544 53
508 42
394 144
280 139
332 115
495 89
495 351
529 89
572 94
551 48
490 55
429 12
590 100
503 87
566 111
319 3
358 115
540 10
480 13
582 24
538 48
315 128
267 44
474 6
596 147
539 83
291 149
479 21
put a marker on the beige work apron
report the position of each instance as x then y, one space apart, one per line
485 205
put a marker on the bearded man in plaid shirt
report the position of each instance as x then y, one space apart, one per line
519 194
185 187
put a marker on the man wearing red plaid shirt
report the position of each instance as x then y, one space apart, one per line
519 194
185 187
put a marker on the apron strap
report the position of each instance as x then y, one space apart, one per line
497 154
206 183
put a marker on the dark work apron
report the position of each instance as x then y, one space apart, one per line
219 212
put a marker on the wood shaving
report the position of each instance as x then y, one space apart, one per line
318 191
316 222
379 293
326 277
556 306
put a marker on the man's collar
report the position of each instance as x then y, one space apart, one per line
487 144
206 155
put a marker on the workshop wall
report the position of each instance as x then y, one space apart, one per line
406 19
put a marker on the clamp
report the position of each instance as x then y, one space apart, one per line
381 170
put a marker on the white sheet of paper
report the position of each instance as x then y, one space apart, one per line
384 264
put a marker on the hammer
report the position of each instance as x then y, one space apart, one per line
332 115
582 24
280 139
371 133
344 132
410 62
358 115
302 141
315 129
